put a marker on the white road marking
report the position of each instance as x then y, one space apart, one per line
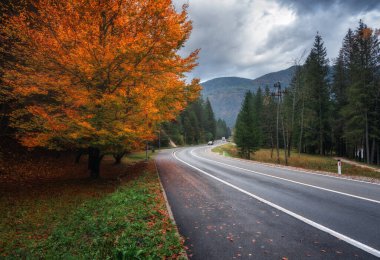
347 239
291 168
284 179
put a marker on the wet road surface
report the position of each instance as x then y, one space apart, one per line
233 209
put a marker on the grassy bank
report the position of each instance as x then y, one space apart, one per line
306 161
122 215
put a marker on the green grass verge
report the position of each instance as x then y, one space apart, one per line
92 221
139 156
306 161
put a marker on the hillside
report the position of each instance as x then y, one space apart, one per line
226 94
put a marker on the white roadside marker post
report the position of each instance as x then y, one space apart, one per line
339 167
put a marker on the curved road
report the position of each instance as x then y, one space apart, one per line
235 209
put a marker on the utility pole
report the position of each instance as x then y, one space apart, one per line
278 93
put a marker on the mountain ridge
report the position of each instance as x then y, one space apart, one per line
227 93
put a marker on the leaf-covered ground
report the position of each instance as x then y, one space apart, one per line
60 213
306 161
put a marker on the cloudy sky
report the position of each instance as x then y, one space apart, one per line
249 38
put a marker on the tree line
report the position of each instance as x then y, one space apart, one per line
195 125
326 109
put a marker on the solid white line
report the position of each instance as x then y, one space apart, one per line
284 179
291 168
347 239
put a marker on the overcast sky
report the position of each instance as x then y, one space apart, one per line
249 38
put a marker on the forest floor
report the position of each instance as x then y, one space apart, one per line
51 209
305 161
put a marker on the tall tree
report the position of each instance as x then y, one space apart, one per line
210 123
339 101
246 138
96 74
222 129
197 124
318 99
361 111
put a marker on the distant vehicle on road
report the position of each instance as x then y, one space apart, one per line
210 143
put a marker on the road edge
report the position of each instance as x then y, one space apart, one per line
354 178
169 209
164 194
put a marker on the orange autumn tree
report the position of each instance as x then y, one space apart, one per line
97 74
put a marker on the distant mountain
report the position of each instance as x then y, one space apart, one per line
284 76
226 94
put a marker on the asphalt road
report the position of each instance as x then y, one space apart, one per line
234 209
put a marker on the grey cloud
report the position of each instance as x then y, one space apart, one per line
352 6
232 45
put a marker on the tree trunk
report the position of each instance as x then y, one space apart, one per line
94 159
272 145
289 142
367 137
277 136
57 154
293 114
373 150
3 120
300 141
79 155
377 154
285 145
118 157
320 129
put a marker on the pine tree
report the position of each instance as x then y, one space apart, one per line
210 125
339 101
318 98
361 111
195 125
246 138
221 129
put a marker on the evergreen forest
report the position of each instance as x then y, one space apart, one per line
327 109
195 125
